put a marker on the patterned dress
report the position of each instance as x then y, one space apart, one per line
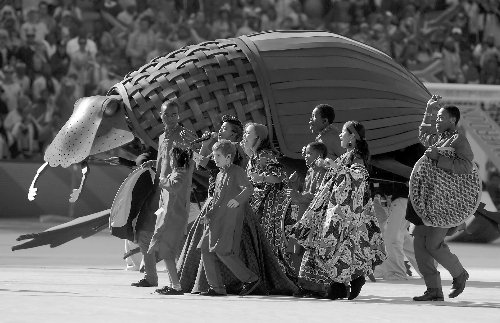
339 232
270 204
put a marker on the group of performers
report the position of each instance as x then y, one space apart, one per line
261 231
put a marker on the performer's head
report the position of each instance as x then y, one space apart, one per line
321 117
313 151
352 138
231 129
447 118
169 114
255 138
179 158
223 152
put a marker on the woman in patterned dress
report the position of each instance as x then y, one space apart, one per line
269 201
338 230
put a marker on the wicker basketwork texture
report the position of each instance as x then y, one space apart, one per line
441 198
208 80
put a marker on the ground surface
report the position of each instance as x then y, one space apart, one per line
84 281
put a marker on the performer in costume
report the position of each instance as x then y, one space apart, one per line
269 200
321 125
429 240
314 154
255 251
172 216
338 230
224 219
169 114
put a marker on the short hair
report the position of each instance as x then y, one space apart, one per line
171 103
326 111
453 112
226 147
319 147
236 125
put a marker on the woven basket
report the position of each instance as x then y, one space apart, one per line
276 78
208 80
441 198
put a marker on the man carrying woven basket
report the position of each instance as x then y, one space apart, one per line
448 159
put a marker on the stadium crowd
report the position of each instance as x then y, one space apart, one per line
53 52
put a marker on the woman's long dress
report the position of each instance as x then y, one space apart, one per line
271 205
339 231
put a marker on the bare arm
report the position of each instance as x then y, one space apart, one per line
427 133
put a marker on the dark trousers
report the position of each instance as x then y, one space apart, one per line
143 240
232 262
429 245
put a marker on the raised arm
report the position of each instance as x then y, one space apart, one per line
427 133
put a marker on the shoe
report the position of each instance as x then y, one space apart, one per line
431 294
458 284
337 291
161 290
143 283
211 292
169 291
301 293
249 287
356 286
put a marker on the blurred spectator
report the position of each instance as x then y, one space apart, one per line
81 63
452 66
112 7
12 90
161 48
45 17
363 35
68 7
42 82
199 24
8 19
59 62
26 51
107 79
488 57
140 43
299 18
183 36
380 39
127 16
20 130
22 78
67 96
269 19
242 25
223 27
6 53
74 45
33 25
187 7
